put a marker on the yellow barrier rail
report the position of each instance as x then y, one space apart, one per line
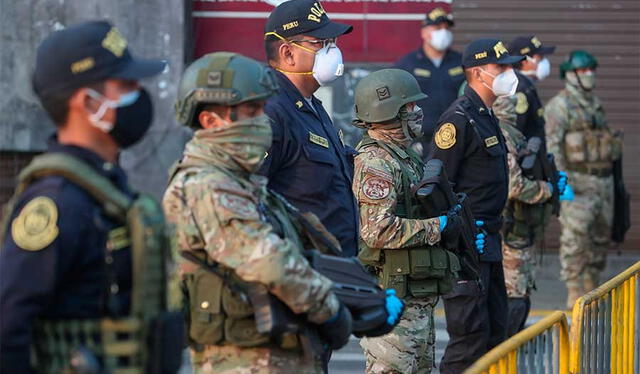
604 328
541 348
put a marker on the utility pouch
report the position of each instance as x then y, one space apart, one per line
239 325
206 320
574 147
166 342
395 270
420 263
420 288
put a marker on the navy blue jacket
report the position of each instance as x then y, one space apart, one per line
476 162
441 83
309 164
70 277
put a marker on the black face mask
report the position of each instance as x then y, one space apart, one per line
132 121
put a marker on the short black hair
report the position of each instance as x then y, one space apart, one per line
271 47
56 104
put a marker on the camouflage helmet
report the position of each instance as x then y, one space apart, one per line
577 59
380 95
222 78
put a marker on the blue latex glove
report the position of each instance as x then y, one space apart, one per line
562 182
480 238
394 306
443 222
568 194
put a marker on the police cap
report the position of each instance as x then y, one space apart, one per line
487 51
438 15
530 45
86 53
308 17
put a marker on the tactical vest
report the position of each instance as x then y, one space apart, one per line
218 305
148 339
589 145
522 222
421 271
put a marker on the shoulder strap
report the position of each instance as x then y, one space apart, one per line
114 201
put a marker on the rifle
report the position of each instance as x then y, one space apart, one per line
436 196
541 167
354 286
621 201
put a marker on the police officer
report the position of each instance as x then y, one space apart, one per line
469 143
584 145
535 67
67 261
309 163
225 217
436 67
393 225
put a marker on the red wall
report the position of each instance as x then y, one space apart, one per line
238 26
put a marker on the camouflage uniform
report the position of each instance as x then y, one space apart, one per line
378 186
578 136
217 206
518 253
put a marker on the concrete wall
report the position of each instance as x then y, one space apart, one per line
154 28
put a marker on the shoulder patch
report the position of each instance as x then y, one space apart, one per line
37 224
238 205
446 136
491 141
376 188
522 103
319 140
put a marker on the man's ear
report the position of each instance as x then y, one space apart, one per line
424 34
286 54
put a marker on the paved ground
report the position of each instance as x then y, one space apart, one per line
551 295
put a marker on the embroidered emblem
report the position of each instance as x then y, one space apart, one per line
378 173
114 42
522 104
376 188
491 141
446 136
36 225
299 104
319 140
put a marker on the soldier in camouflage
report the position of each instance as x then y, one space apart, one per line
385 171
584 146
525 205
225 217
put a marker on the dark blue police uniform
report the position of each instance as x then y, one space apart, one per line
476 163
440 83
309 164
75 276
529 109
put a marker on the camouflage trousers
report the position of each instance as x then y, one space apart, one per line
586 227
230 359
519 269
409 348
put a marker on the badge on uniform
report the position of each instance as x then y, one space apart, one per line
376 188
37 224
491 141
541 112
319 140
424 73
446 136
522 104
455 71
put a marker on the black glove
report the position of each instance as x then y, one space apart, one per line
450 236
336 331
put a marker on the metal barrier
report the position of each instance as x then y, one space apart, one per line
540 348
604 328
